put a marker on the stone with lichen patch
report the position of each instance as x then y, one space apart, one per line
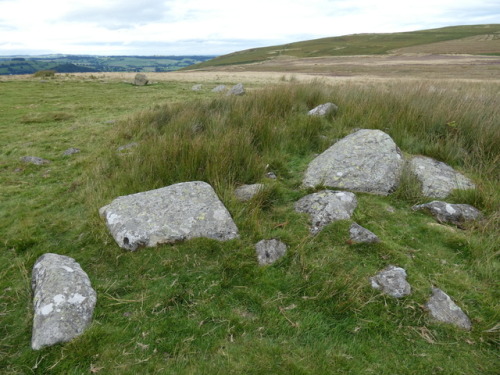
362 235
392 281
443 309
247 192
323 109
174 213
269 251
457 214
63 300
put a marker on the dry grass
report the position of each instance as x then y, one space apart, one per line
478 44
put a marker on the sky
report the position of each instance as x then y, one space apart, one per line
214 27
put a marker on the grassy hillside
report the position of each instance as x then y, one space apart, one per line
206 307
363 44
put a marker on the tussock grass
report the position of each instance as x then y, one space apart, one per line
205 306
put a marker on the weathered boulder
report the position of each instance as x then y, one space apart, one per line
392 281
197 87
246 192
457 214
362 235
34 160
219 88
269 251
366 161
63 300
71 151
140 79
326 207
174 213
127 146
323 109
438 179
443 309
237 89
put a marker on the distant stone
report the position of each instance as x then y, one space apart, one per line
323 109
197 87
174 213
362 235
438 179
34 160
237 90
71 151
457 214
63 300
140 79
247 192
392 281
366 161
326 207
443 309
271 175
220 88
269 251
127 146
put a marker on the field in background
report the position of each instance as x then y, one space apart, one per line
206 307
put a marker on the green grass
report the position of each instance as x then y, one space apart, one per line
349 45
206 307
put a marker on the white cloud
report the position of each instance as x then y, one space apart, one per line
215 26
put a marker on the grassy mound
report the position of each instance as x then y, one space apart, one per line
206 307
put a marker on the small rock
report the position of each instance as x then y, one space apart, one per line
457 214
197 87
63 300
140 79
34 160
323 109
237 90
71 151
219 88
362 235
127 146
247 192
392 281
271 175
326 207
269 251
443 309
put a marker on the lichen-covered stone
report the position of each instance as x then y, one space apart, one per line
34 160
174 213
326 206
247 192
362 235
219 88
140 79
366 161
71 151
63 300
237 90
323 109
443 309
437 178
269 251
457 214
392 281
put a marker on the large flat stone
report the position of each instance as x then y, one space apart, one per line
437 178
457 214
63 300
366 161
174 213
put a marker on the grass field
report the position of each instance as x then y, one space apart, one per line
205 307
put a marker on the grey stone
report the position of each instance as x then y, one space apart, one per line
34 160
366 161
71 151
237 90
457 214
219 88
140 79
271 175
392 281
269 251
362 235
443 309
326 206
438 179
323 109
174 213
63 300
247 192
127 146
197 87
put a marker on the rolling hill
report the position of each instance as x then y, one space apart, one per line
475 39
